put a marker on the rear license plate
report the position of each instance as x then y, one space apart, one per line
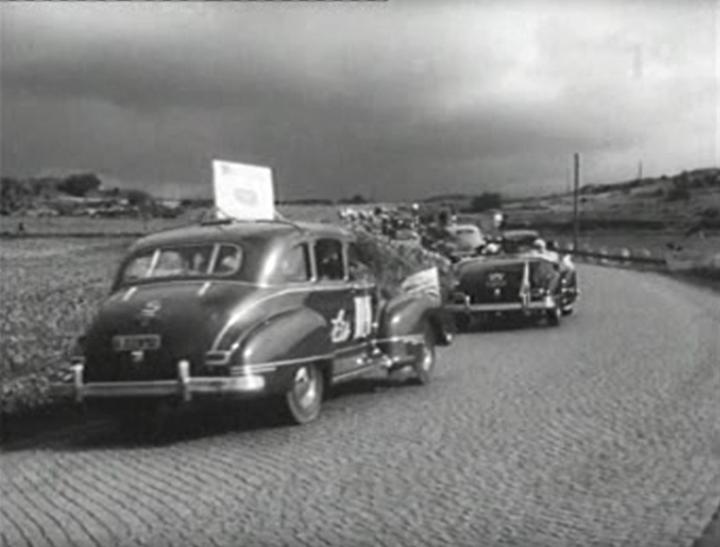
495 280
136 342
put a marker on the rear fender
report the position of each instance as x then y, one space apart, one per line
287 341
405 318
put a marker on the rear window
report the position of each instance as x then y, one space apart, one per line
206 260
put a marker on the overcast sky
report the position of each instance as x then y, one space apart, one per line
395 99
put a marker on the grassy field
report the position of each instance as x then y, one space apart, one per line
86 226
50 288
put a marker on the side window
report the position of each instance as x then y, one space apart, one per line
295 266
198 259
138 268
228 260
358 269
329 259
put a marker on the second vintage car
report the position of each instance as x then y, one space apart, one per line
253 309
523 280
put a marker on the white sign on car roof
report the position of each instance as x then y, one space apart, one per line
243 191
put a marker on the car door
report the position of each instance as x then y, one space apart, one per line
333 298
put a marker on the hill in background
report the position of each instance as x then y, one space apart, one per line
686 199
680 201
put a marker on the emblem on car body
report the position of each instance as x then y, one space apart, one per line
340 330
149 311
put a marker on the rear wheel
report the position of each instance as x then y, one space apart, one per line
424 364
304 398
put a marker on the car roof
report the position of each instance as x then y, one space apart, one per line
237 231
458 227
520 234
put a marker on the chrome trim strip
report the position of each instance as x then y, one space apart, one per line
355 372
153 263
303 289
500 306
259 367
129 293
204 288
409 338
350 349
244 370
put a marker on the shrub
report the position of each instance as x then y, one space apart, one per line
79 185
484 202
677 193
391 262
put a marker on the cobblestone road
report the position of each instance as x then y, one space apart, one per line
605 431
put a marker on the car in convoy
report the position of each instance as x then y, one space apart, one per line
249 309
522 280
462 241
407 236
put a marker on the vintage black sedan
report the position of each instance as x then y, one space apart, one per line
248 309
520 282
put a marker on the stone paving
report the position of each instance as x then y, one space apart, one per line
603 431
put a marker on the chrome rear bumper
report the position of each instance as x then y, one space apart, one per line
185 386
501 306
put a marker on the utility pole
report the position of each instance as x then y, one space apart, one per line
576 223
568 179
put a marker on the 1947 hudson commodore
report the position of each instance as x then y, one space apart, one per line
250 309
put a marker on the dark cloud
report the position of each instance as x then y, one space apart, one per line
398 98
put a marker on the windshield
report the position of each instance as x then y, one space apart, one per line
205 260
